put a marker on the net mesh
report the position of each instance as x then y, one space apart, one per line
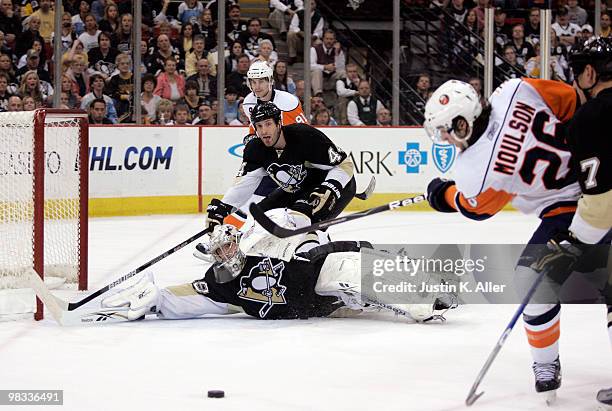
61 193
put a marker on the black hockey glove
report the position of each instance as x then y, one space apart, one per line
435 195
560 256
216 211
324 197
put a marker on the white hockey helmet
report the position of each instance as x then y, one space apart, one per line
225 248
260 69
451 101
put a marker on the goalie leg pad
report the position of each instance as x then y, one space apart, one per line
183 301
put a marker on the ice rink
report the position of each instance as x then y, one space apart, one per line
375 363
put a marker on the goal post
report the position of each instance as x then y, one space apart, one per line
43 199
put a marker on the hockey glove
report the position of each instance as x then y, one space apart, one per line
324 197
435 195
560 256
216 211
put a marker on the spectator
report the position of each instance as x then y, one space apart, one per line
47 19
110 22
71 6
170 84
29 104
71 90
231 61
322 117
191 99
238 78
234 25
206 83
32 86
120 88
10 23
512 68
148 100
97 112
102 58
189 11
251 38
97 9
362 109
206 116
565 31
78 20
282 13
122 38
207 28
165 113
164 29
78 74
32 59
37 46
266 53
157 60
316 103
68 34
96 87
605 23
586 32
89 37
4 93
212 6
15 104
230 104
242 119
6 67
282 80
327 62
533 67
502 31
532 28
299 91
523 50
26 39
185 43
64 101
295 35
457 10
477 84
383 117
480 12
76 52
194 55
577 14
346 89
181 115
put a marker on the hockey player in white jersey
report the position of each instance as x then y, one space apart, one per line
512 151
270 278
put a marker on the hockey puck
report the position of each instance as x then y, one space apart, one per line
216 394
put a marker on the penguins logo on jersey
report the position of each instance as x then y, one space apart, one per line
287 176
263 285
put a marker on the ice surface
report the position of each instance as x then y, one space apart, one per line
376 363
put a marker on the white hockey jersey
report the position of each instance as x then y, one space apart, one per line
522 157
286 102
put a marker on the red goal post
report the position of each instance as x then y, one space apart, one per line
43 197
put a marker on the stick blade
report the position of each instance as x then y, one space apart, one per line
368 191
472 398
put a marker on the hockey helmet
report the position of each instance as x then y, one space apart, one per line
596 51
225 248
452 101
265 110
260 70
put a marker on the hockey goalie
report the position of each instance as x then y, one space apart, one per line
270 278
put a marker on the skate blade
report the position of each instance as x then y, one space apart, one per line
550 397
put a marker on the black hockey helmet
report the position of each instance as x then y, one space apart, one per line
596 51
265 110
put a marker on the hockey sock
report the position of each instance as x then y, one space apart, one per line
542 324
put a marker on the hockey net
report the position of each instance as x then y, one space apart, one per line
43 197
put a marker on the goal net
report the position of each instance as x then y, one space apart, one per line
43 199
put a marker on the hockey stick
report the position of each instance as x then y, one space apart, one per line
281 232
472 396
368 191
66 313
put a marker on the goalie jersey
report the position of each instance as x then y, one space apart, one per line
522 157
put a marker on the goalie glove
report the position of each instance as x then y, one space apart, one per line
324 197
216 211
142 298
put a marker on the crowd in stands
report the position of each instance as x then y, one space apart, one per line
179 57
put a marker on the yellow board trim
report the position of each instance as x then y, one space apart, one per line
132 206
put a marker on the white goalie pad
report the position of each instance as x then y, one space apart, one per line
257 241
339 272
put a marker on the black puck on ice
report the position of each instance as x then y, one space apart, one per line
216 394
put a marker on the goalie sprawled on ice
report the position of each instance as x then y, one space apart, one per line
269 278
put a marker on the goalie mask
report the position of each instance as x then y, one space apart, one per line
452 102
224 247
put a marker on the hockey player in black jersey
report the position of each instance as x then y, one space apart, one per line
313 175
591 147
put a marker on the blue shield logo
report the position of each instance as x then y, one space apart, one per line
443 156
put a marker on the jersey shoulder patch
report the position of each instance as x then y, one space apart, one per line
285 101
